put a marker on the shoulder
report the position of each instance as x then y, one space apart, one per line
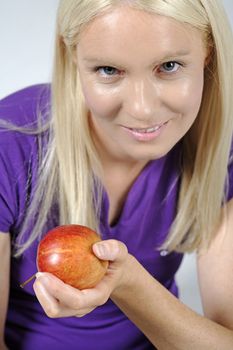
19 134
21 113
20 143
22 107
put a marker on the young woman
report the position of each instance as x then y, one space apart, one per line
133 139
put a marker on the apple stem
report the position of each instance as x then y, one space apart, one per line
27 281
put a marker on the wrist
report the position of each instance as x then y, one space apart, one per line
128 279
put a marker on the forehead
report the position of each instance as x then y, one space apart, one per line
125 27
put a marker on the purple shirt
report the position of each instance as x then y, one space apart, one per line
143 225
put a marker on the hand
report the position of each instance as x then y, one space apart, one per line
61 300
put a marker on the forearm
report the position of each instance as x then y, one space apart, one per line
4 282
167 322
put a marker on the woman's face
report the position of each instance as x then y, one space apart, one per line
142 79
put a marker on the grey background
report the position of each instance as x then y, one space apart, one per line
26 54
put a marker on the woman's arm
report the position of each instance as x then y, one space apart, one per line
167 322
4 283
171 325
215 270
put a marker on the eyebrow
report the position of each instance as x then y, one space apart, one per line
166 57
180 53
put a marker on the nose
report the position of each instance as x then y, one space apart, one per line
141 98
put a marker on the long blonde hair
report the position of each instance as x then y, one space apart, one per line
66 171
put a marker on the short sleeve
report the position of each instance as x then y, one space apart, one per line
18 155
8 202
16 159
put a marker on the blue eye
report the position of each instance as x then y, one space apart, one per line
107 71
170 67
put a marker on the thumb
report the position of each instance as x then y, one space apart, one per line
110 249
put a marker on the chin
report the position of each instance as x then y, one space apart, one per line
156 153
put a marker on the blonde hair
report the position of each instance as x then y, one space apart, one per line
66 172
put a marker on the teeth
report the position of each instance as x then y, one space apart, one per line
148 130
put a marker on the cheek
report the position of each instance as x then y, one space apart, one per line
188 96
100 101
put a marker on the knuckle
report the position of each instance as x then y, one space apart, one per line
77 304
55 290
105 298
102 298
84 312
52 312
115 245
103 301
124 248
119 248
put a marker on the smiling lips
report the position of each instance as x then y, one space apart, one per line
146 134
146 130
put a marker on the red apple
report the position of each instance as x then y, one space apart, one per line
66 252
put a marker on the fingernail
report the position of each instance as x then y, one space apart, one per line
43 279
100 249
39 274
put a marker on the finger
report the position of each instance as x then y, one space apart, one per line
111 250
70 298
53 307
47 301
60 291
